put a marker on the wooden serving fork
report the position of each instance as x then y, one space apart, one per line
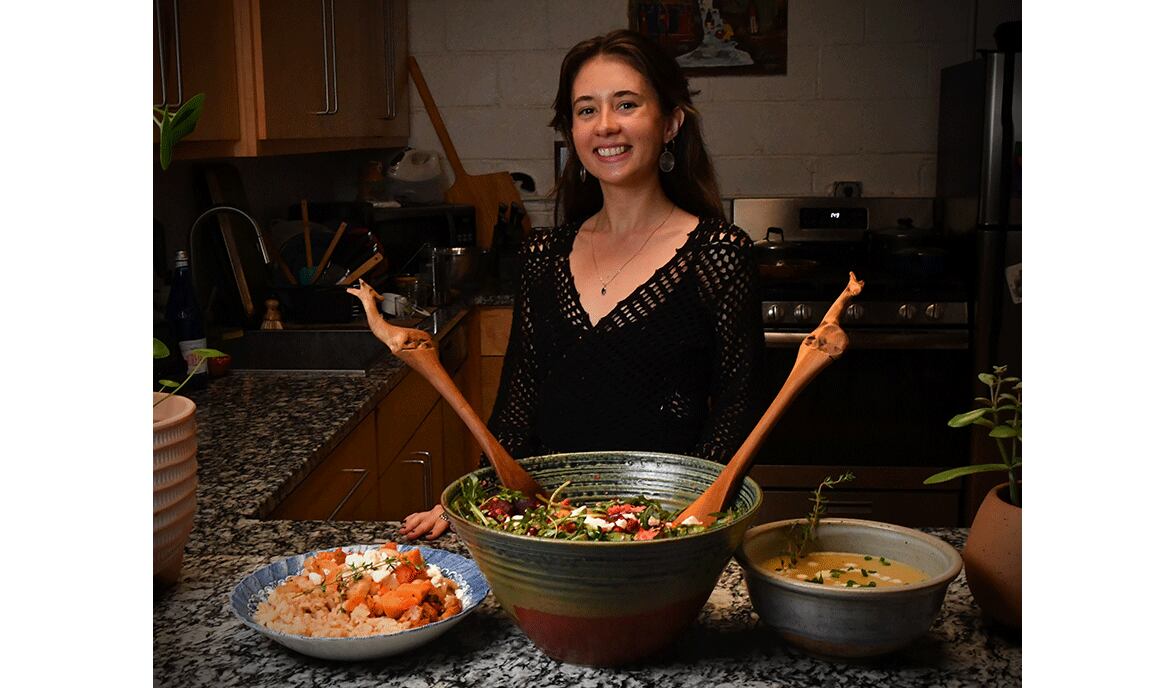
824 345
417 349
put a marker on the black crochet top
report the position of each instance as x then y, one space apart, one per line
675 367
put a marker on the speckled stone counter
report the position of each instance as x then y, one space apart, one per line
261 433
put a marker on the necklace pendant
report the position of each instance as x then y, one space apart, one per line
603 291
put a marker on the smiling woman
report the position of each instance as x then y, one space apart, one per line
637 322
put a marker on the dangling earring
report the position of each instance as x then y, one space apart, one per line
665 161
583 173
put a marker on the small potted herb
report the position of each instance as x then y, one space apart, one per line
1000 412
992 553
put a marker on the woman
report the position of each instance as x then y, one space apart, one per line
637 322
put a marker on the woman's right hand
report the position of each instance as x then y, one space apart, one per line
432 522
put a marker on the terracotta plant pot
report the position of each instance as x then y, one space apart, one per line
992 558
175 483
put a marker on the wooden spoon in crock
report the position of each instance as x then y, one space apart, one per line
417 349
824 345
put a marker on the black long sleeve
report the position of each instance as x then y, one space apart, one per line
675 367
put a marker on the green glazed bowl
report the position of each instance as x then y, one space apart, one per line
607 603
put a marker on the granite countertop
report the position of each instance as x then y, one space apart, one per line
261 433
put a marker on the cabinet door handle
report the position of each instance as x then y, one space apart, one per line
390 61
162 61
179 62
330 81
362 473
426 463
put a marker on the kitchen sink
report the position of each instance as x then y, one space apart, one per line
349 349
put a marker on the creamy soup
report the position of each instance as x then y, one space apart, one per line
848 570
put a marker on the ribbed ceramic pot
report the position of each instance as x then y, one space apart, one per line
848 622
607 603
992 558
174 480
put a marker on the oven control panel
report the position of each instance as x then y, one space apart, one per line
783 314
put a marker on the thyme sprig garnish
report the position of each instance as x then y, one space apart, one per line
799 538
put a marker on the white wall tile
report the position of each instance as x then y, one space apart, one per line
458 79
901 126
880 175
873 71
496 24
572 21
426 27
859 101
529 78
825 22
763 176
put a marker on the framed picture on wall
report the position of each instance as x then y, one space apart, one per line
709 37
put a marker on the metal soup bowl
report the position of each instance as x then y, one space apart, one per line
607 603
848 622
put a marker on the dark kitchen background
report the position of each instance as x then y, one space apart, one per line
860 121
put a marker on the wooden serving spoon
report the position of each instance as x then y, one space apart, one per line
417 349
824 345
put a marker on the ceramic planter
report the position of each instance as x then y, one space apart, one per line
175 483
992 558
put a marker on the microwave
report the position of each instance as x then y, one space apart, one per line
401 231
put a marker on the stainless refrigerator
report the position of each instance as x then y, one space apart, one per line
978 186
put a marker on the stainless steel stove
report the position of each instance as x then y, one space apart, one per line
881 410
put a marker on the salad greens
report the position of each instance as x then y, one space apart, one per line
631 518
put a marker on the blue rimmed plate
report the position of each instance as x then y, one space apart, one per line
472 589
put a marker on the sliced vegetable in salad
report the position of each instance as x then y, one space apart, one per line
631 518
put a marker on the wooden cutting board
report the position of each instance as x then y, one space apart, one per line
483 191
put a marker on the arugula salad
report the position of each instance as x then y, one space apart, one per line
631 518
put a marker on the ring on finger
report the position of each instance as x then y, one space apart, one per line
445 518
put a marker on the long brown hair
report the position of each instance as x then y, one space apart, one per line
691 184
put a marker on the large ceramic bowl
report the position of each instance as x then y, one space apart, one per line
256 587
607 603
849 622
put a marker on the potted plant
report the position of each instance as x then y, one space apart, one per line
174 425
992 553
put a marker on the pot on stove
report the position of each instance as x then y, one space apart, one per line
774 258
909 249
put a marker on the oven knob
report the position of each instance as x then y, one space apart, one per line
855 311
772 315
934 312
802 312
906 311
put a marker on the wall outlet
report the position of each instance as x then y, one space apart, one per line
847 189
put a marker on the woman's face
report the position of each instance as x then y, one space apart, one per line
617 126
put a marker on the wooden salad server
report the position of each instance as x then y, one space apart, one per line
417 349
824 345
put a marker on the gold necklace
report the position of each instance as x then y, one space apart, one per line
605 282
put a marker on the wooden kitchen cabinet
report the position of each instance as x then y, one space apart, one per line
412 481
300 76
494 334
192 53
343 487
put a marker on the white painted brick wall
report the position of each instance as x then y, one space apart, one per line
859 101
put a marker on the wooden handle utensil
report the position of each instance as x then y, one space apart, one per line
361 270
330 249
824 345
416 348
306 233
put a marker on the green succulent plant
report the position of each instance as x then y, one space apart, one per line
174 126
1000 411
